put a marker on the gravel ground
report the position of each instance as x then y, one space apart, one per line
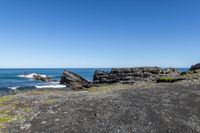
141 108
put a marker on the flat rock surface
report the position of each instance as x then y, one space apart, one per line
142 108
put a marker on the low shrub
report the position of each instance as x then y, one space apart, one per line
183 73
167 79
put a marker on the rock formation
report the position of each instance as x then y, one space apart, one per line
131 75
193 74
195 67
73 80
42 78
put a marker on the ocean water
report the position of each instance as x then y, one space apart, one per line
21 78
15 79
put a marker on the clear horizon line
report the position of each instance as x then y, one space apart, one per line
80 67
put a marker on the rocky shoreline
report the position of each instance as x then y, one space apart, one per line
123 100
130 76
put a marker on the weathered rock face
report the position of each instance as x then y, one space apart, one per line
41 78
195 67
131 75
193 74
73 80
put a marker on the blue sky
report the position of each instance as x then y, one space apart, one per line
99 33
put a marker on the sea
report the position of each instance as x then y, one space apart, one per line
12 79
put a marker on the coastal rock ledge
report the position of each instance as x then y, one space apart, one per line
132 75
195 67
73 80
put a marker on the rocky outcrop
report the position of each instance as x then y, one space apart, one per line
131 75
73 80
193 74
42 78
195 67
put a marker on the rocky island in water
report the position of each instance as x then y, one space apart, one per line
124 100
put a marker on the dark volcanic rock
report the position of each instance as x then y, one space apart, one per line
104 77
160 108
73 80
131 75
42 78
195 67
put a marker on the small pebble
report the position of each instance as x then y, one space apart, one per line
44 122
25 126
57 120
51 112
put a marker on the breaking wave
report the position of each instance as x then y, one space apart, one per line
50 86
31 76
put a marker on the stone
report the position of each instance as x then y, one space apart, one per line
26 126
195 67
132 75
73 80
44 122
56 120
41 78
51 112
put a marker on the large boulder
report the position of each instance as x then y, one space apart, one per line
132 75
195 67
42 78
73 80
104 77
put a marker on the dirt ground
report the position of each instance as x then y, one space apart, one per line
138 108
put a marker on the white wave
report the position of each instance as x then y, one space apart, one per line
13 88
51 86
31 76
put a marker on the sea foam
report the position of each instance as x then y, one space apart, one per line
31 76
14 88
50 86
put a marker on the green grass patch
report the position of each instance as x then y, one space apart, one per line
1 127
2 112
27 109
98 89
92 90
167 79
5 99
50 101
6 119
